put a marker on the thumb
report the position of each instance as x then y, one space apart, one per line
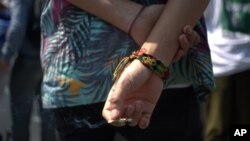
113 107
132 78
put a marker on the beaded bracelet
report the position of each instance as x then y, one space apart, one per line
152 63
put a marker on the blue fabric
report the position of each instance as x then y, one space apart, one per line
26 74
15 40
25 84
4 24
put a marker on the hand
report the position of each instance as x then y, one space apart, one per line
134 95
188 38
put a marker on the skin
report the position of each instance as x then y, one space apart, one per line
139 31
120 13
135 94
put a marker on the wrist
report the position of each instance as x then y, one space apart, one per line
150 62
151 49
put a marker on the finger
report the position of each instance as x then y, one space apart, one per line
190 34
178 55
111 110
125 119
184 45
119 122
197 38
136 114
131 79
144 121
129 111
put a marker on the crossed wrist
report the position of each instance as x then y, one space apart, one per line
153 64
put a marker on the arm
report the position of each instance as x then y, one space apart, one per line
121 13
17 30
137 91
176 15
117 12
146 89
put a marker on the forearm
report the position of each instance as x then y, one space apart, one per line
17 29
119 13
163 40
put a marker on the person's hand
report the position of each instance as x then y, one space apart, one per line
133 96
145 23
136 92
188 38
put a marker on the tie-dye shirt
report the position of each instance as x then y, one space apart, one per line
80 52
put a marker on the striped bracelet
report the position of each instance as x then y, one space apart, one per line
152 63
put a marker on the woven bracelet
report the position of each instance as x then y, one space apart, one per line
155 65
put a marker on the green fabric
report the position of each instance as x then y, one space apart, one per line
236 16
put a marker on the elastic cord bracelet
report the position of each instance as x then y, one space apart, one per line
135 18
152 63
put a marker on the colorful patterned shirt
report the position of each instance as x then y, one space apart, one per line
80 52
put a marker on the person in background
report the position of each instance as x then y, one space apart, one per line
22 43
229 38
4 24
